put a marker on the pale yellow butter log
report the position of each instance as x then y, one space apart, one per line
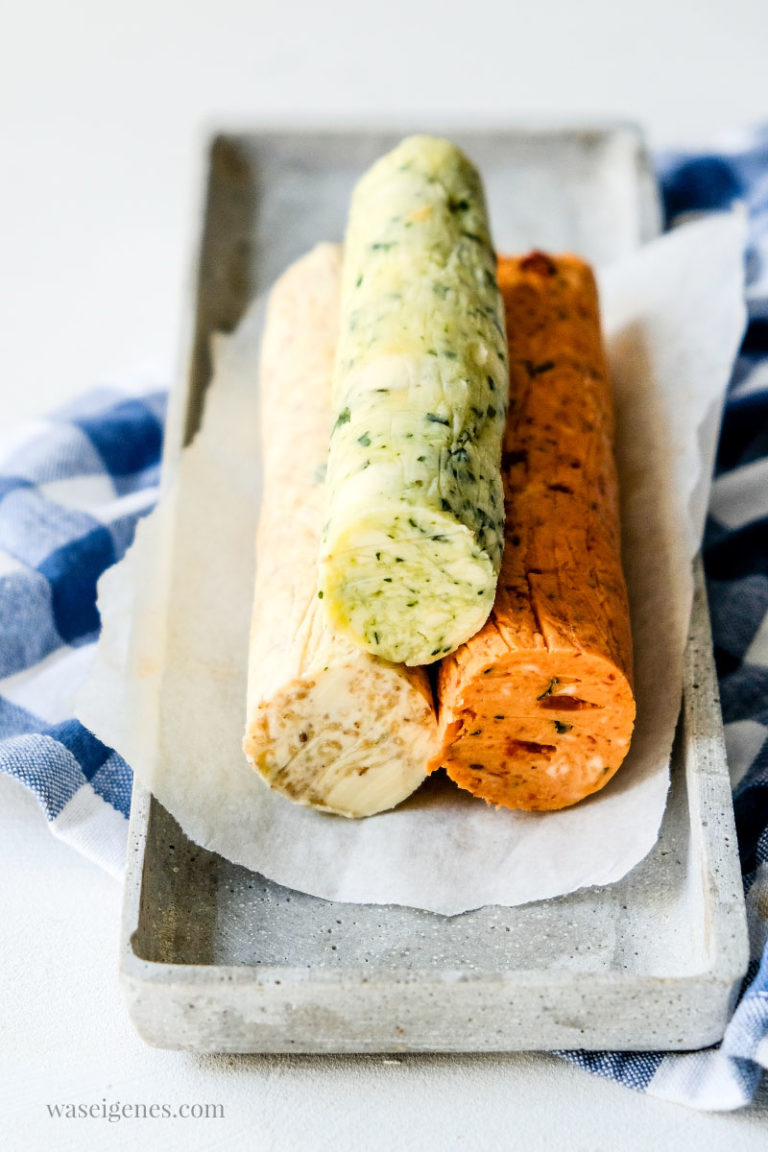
328 724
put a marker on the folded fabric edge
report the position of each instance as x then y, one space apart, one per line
93 827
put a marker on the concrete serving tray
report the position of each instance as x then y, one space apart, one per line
217 958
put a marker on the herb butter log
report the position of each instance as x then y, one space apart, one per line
414 532
537 710
327 724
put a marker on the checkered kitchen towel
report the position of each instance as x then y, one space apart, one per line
72 488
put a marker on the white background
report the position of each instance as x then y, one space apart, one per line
103 112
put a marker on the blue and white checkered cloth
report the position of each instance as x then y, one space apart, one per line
73 487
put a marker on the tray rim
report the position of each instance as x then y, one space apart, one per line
727 933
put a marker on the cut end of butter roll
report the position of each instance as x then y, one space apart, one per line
328 725
344 738
413 537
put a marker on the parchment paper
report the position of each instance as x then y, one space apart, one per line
168 686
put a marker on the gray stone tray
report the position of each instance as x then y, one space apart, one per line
217 958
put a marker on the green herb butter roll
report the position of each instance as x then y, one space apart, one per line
412 543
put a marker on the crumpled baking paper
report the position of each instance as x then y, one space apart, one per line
168 686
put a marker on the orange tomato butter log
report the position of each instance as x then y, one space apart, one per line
537 710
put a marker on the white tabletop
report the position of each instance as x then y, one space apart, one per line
102 115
